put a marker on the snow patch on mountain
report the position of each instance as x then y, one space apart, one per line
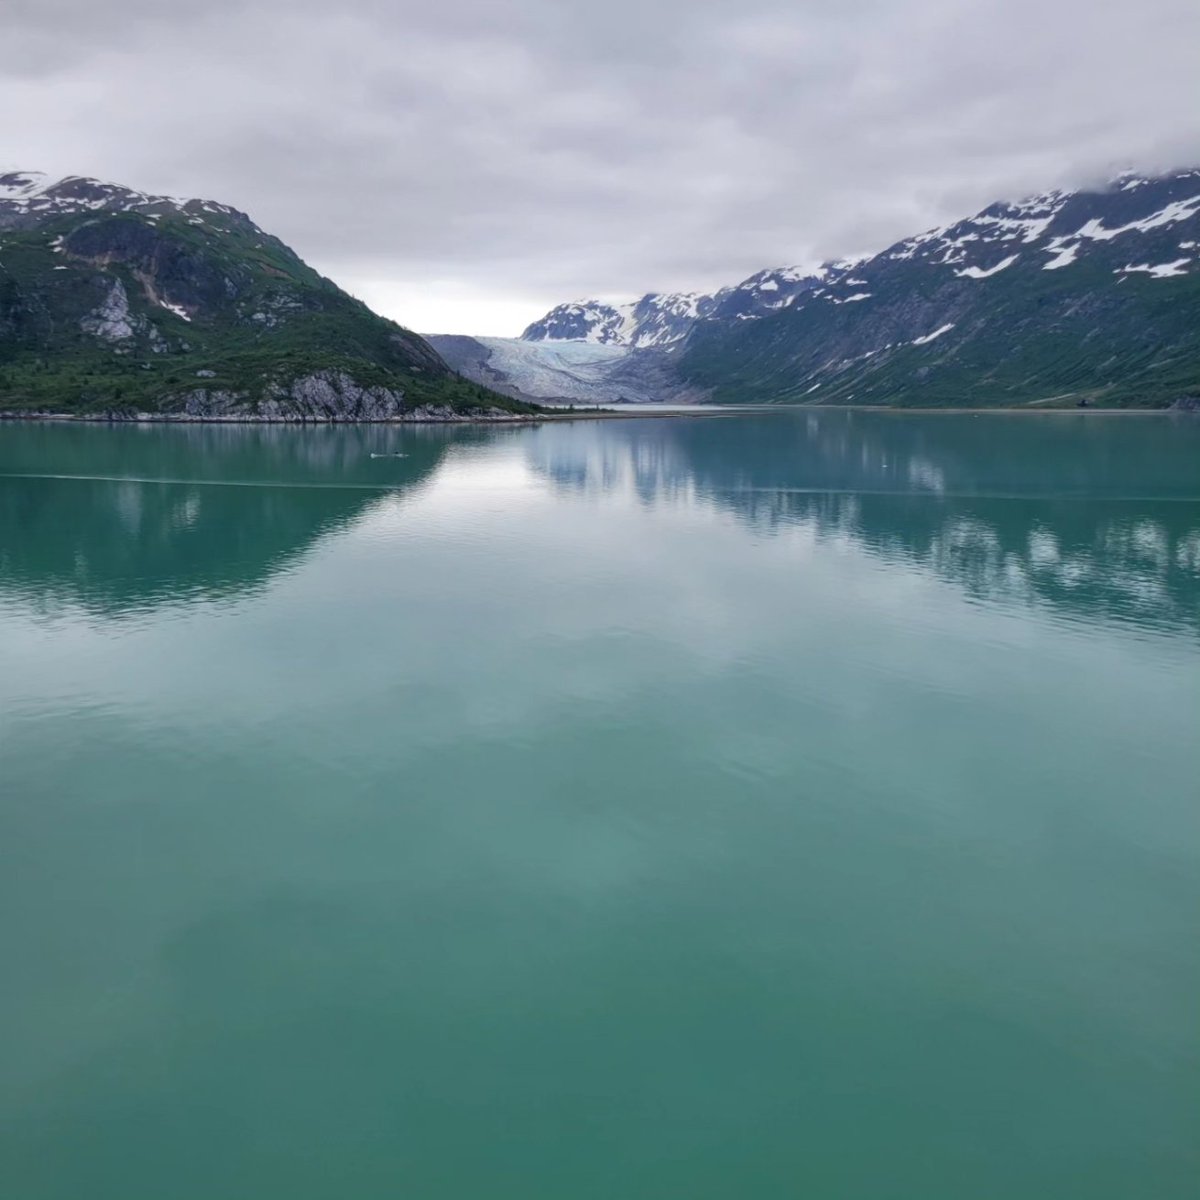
21 185
987 272
29 197
1064 256
1177 210
929 337
1159 271
177 309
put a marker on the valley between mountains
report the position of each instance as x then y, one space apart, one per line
1065 298
116 303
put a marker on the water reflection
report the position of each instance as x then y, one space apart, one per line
130 517
1098 515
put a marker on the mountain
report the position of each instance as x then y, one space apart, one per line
595 353
659 320
115 301
653 320
1067 297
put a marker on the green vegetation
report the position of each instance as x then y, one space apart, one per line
132 312
1025 337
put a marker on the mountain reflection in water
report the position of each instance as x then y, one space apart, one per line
1098 515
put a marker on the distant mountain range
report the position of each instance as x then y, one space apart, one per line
658 320
1084 297
117 302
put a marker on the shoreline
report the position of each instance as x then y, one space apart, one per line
648 412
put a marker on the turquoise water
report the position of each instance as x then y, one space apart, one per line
783 805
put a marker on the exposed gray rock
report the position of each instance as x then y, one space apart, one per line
320 396
111 320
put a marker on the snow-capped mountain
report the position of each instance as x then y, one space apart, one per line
1067 297
1053 228
596 353
29 198
1093 294
663 319
654 320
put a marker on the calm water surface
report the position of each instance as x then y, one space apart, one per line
763 806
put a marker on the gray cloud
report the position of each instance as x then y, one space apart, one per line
512 155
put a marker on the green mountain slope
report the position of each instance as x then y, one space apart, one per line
1068 298
116 302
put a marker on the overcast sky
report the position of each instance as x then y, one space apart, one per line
463 165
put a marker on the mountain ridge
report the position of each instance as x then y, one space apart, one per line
660 319
1090 296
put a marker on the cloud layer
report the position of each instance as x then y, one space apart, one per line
465 165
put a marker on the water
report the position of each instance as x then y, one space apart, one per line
773 805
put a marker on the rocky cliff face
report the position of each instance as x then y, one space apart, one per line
325 395
331 396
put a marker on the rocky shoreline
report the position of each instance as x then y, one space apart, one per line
319 398
426 415
430 414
